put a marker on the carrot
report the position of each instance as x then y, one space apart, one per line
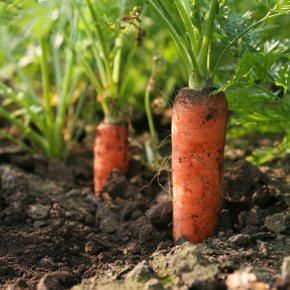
110 151
198 136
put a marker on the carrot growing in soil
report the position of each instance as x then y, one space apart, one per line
110 39
110 151
198 137
199 112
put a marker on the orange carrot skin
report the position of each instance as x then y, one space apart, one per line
110 151
198 137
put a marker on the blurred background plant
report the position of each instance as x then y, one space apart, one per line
110 32
43 95
38 87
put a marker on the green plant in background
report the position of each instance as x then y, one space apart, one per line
41 113
151 147
111 38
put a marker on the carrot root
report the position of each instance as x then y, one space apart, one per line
198 137
110 152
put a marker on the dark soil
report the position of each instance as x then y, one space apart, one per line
55 233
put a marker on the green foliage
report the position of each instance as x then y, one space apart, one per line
196 27
41 113
112 39
256 75
259 95
266 154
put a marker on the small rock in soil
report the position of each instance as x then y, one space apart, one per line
144 231
187 268
202 278
12 180
56 281
160 215
287 199
285 271
137 213
106 219
253 230
89 219
17 285
94 248
142 272
164 245
255 217
117 184
278 223
242 219
239 239
130 207
283 283
49 283
38 211
244 279
109 224
14 213
262 198
153 284
40 223
229 266
48 263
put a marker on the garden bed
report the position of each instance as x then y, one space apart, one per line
55 234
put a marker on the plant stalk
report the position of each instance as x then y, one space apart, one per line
207 38
45 83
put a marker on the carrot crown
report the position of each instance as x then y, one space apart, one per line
193 24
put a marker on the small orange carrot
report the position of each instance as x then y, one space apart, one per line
110 151
198 137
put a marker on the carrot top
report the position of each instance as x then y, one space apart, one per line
194 25
112 41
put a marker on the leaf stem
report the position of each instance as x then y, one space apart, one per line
184 13
45 82
207 38
104 49
147 104
117 64
196 78
99 61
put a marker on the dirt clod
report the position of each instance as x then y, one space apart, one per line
56 281
160 215
278 223
154 284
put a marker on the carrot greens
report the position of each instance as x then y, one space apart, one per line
112 41
193 24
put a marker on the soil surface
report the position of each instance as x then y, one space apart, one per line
55 234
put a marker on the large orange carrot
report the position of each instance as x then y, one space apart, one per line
198 136
111 151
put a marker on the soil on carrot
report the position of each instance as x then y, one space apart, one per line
55 234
